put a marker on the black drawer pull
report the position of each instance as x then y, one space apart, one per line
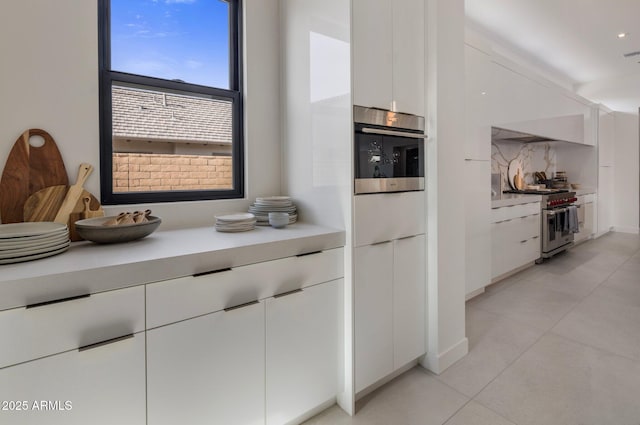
284 294
380 243
103 343
212 272
241 305
61 300
308 253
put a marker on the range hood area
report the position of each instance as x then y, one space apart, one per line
568 128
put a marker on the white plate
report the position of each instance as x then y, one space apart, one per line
30 229
35 243
35 256
25 252
235 218
274 199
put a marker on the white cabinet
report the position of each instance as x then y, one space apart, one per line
406 210
208 370
248 343
373 265
104 385
303 351
478 98
605 199
388 54
585 217
390 302
409 299
478 224
515 237
606 134
84 357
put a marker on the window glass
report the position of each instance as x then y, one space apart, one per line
185 40
171 105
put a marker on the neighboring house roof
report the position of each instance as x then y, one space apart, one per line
147 115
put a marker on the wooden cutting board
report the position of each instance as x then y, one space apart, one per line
27 170
44 205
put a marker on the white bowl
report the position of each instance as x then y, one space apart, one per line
278 219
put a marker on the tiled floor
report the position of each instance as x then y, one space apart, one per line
558 343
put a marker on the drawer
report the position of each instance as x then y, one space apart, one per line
178 299
373 213
43 329
514 211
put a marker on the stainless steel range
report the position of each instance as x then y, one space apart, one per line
559 222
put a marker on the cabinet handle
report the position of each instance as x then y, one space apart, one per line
308 253
61 300
105 342
284 294
524 241
535 237
379 243
406 237
227 269
239 306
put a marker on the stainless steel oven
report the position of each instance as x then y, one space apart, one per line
559 223
389 151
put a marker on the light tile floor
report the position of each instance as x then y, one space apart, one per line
558 343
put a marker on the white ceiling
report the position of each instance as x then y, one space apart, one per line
577 39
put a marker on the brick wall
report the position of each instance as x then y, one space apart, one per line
134 172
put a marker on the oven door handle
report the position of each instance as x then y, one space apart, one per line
393 133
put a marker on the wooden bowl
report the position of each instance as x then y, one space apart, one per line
94 230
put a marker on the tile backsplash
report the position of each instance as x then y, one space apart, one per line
533 157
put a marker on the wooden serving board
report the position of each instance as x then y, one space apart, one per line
44 205
27 170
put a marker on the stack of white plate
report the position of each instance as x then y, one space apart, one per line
263 206
29 241
239 222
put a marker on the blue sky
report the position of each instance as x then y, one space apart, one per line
172 39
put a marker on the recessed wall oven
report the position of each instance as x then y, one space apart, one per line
389 151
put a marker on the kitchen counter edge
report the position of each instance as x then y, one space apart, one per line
91 268
511 199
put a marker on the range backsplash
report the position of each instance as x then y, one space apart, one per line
533 156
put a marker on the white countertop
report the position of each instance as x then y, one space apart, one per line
510 199
88 267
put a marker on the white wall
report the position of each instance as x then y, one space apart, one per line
447 342
50 81
626 173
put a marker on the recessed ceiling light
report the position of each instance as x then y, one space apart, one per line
622 34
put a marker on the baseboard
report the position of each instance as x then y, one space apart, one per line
626 229
313 412
438 363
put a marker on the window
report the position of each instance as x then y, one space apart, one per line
170 100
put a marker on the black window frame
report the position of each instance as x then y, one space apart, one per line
234 94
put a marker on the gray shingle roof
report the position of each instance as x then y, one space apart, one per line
155 116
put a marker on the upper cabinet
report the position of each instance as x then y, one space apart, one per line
606 132
478 98
388 39
527 105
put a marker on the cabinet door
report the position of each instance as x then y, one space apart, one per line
408 56
606 134
372 53
101 385
304 350
409 299
605 199
478 224
208 370
373 266
588 218
478 95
